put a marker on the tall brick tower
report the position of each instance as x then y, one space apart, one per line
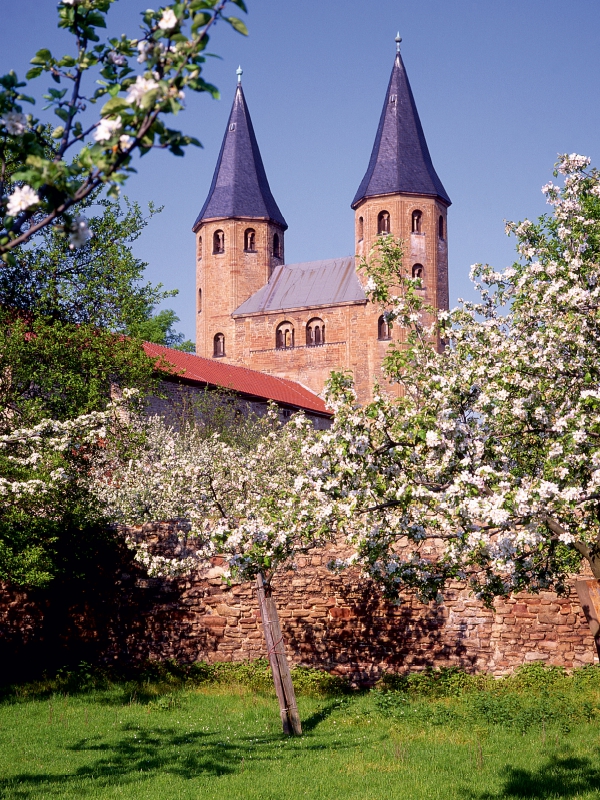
239 235
401 194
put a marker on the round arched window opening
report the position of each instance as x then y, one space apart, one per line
199 300
383 222
417 221
361 229
199 249
441 227
218 242
250 240
284 336
315 332
383 329
417 271
276 246
219 345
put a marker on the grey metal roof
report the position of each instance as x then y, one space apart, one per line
312 284
400 161
239 186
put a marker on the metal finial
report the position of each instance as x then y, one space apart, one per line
239 72
398 40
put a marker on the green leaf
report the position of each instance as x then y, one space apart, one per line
238 25
58 132
114 104
34 72
240 4
41 57
200 20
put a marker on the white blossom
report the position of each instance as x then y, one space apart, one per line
168 21
21 199
140 89
106 129
15 122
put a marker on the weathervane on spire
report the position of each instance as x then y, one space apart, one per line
239 72
398 40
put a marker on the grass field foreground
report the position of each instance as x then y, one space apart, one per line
445 735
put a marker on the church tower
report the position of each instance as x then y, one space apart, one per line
239 235
402 195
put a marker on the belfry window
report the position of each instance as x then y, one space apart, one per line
383 329
218 346
218 242
361 229
417 271
417 221
199 300
199 249
441 227
284 336
276 246
315 332
383 222
250 240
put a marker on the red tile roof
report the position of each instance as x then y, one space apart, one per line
210 372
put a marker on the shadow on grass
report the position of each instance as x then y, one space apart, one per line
559 777
143 754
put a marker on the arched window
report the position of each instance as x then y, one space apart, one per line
383 329
383 222
199 248
284 336
315 332
361 228
199 300
276 246
417 221
417 271
218 346
250 240
219 242
441 227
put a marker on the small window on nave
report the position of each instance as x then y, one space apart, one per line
417 271
417 221
218 242
276 246
383 329
441 227
199 249
199 300
315 332
383 222
284 336
219 345
250 240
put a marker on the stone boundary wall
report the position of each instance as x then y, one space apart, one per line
338 623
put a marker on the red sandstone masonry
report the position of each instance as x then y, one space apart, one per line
335 622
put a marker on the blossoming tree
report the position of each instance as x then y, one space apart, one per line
47 169
485 468
247 496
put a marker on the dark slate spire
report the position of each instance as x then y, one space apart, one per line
239 186
400 161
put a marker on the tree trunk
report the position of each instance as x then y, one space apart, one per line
282 678
588 592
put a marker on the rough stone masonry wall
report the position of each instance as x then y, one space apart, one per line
334 622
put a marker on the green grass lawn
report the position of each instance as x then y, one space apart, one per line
224 741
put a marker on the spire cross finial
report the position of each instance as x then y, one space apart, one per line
239 72
398 40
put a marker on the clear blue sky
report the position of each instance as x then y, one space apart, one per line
501 88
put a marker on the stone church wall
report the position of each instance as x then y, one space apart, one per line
335 622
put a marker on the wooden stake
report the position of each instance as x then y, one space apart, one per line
273 660
284 667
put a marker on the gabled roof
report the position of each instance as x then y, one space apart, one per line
400 161
207 372
239 186
313 283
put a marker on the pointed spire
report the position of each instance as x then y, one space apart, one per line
400 161
239 186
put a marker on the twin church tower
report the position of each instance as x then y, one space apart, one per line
301 321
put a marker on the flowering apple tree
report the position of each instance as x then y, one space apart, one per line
249 499
485 465
48 169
